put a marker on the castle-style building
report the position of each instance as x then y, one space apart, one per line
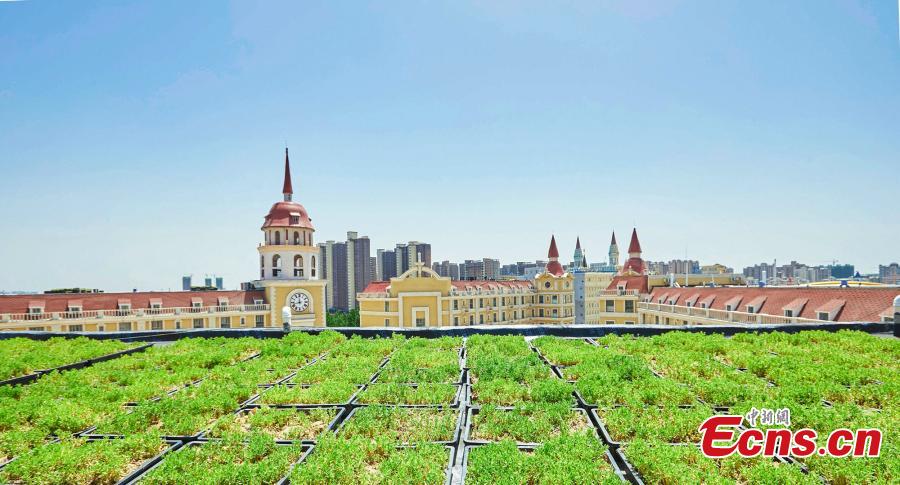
288 291
421 298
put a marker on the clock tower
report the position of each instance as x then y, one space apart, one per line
288 259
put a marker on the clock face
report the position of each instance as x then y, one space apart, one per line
299 302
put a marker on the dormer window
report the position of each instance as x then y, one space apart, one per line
750 309
295 220
789 313
36 310
728 308
824 316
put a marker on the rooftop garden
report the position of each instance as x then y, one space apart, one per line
323 408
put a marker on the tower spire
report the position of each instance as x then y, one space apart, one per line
553 266
287 189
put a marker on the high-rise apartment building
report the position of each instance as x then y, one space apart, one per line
491 269
408 254
386 265
889 274
347 267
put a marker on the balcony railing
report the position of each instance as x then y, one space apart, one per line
723 315
149 313
618 293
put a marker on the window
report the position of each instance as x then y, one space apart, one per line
177 324
824 316
420 320
277 237
260 321
225 322
555 313
541 299
480 319
276 265
198 323
471 304
727 308
455 321
295 220
542 312
629 322
76 328
495 301
456 304
610 322
312 262
789 313
298 266
553 299
124 326
35 329
629 306
387 306
750 309
296 236
243 322
387 322
471 319
156 325
610 306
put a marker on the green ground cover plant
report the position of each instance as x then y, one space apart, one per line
567 459
277 423
361 460
403 425
530 423
230 461
666 424
405 394
333 392
506 392
562 352
78 461
21 356
661 463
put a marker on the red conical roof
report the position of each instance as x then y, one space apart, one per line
577 243
635 246
553 253
288 188
613 242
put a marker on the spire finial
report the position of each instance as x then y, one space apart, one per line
287 189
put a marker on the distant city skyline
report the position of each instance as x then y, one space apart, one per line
144 141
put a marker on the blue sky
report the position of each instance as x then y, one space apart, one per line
140 141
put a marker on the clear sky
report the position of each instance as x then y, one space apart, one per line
140 141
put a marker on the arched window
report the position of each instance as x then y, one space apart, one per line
312 265
277 237
276 264
298 266
304 238
296 238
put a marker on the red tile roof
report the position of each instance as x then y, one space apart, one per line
110 301
281 212
382 286
487 284
631 283
860 304
634 264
